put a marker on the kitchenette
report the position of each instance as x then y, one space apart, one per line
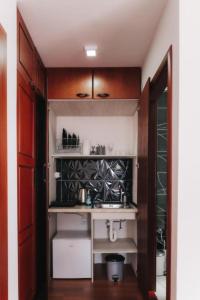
92 178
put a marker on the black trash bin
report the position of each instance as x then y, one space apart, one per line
115 267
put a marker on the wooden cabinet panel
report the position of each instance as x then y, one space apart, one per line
31 78
25 120
29 64
26 194
143 190
69 83
41 78
25 52
26 189
26 270
117 83
3 168
39 75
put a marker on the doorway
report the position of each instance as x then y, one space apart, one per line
160 144
3 169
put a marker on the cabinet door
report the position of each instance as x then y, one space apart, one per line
40 77
117 83
25 51
69 83
144 272
3 168
25 269
26 189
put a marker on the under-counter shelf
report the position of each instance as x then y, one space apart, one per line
126 245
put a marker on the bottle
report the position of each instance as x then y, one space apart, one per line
88 198
64 138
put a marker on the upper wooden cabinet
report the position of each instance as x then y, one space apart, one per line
117 83
25 52
29 63
69 83
40 76
100 83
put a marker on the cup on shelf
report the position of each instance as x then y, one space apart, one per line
110 149
86 147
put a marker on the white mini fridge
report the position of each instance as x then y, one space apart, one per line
71 254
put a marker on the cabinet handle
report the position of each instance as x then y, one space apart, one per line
103 95
82 95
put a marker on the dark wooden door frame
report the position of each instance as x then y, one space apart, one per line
3 168
161 79
144 273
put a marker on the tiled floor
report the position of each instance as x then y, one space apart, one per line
161 287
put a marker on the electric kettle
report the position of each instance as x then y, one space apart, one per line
82 196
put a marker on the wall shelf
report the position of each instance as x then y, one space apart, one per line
126 245
66 155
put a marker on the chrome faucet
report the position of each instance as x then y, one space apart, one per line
121 194
123 198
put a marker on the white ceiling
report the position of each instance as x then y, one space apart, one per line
121 29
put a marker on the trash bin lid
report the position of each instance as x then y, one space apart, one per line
160 253
115 258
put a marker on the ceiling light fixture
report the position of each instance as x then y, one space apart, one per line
91 51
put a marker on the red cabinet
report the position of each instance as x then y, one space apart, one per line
99 83
25 119
26 189
117 83
69 83
29 63
3 168
26 287
25 52
31 78
40 76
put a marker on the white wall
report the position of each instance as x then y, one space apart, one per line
121 132
188 285
168 34
8 21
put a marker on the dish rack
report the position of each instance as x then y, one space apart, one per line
69 145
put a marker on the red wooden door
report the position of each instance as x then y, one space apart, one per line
26 197
143 191
3 170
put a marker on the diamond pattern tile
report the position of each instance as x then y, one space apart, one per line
103 177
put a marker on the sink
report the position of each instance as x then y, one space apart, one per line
110 205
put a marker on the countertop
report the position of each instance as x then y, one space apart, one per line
88 209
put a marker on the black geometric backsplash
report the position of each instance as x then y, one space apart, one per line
103 177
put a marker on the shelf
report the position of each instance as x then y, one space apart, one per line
65 155
126 245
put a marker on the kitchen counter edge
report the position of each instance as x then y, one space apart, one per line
85 209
